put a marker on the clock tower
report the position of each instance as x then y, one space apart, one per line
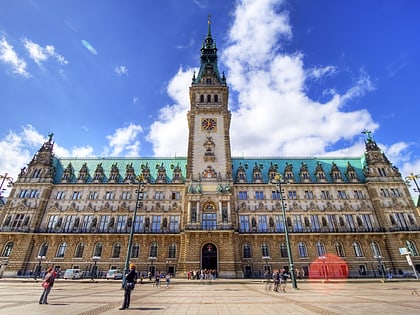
209 154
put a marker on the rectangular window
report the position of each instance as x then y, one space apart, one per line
76 195
34 193
244 223
275 195
325 194
262 223
126 195
291 194
156 223
121 223
242 195
297 223
350 221
86 223
209 221
68 223
104 223
17 222
381 172
93 195
358 194
139 223
52 222
279 224
341 194
109 195
368 221
259 195
315 225
176 195
60 195
401 220
332 222
309 194
159 195
174 223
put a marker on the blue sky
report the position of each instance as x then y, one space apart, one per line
111 78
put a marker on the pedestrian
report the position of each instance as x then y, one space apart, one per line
47 284
284 276
168 280
130 282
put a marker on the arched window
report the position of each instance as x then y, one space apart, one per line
78 253
247 251
339 249
376 251
98 250
172 250
116 250
216 98
7 250
265 250
135 251
43 250
208 98
320 249
412 248
201 98
153 250
303 252
61 250
283 250
357 249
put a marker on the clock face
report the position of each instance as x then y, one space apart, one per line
208 124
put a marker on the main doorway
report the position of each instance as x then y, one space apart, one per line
209 257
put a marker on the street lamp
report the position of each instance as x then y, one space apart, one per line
4 178
38 269
278 179
380 265
324 266
95 271
139 204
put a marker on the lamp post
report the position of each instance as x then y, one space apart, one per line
94 269
380 265
278 179
38 269
139 204
4 178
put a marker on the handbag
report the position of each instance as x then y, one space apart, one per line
129 285
45 284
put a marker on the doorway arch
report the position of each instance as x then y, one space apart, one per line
209 257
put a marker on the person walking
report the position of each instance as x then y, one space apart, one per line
47 284
130 281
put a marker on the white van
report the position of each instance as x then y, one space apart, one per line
73 274
114 274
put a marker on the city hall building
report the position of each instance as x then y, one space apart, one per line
210 210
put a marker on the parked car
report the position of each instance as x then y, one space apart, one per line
114 274
73 274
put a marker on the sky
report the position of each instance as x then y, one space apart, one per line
111 78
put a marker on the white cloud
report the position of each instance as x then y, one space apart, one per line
41 54
18 148
10 57
272 115
166 135
121 70
124 142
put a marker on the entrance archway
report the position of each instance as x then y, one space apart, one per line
209 257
